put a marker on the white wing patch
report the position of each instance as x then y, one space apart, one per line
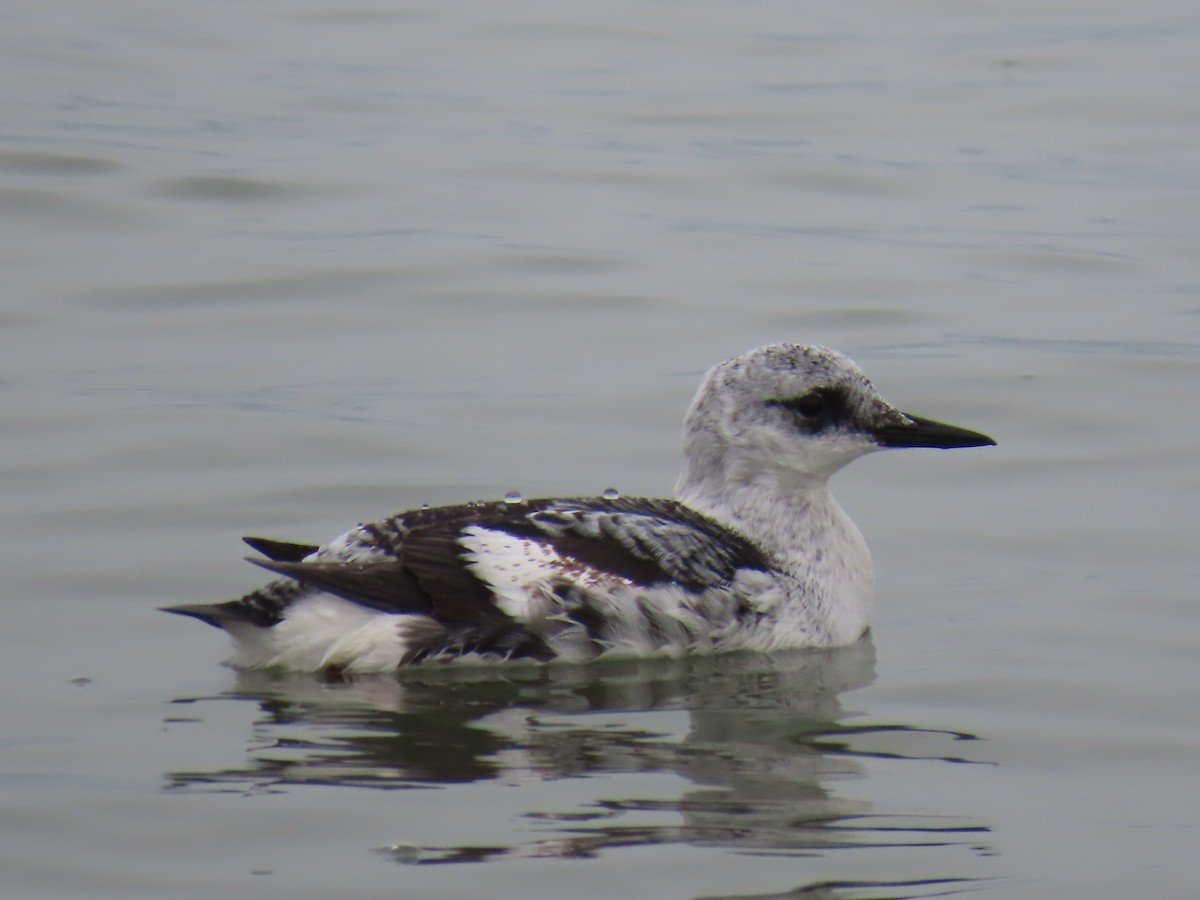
523 573
580 610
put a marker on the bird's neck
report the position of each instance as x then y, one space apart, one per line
799 524
788 517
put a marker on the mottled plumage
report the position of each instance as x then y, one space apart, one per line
754 553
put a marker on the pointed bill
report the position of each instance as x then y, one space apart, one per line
918 432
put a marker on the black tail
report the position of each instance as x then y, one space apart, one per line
214 614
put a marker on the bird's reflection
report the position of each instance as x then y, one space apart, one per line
760 740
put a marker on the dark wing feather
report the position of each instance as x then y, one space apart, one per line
281 551
385 585
433 557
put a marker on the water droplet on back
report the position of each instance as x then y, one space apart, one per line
611 494
513 497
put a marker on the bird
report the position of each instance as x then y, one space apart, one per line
752 552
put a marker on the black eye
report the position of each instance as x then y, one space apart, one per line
811 406
817 409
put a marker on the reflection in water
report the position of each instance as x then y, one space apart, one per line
760 739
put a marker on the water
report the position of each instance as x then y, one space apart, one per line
283 268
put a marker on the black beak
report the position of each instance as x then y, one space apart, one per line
918 432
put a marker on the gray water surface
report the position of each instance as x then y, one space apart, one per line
281 268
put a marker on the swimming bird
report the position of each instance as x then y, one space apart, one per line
752 553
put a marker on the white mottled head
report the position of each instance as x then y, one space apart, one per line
787 416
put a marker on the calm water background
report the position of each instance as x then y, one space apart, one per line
279 267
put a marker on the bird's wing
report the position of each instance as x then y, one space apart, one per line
647 542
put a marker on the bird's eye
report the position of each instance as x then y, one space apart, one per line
816 410
811 406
